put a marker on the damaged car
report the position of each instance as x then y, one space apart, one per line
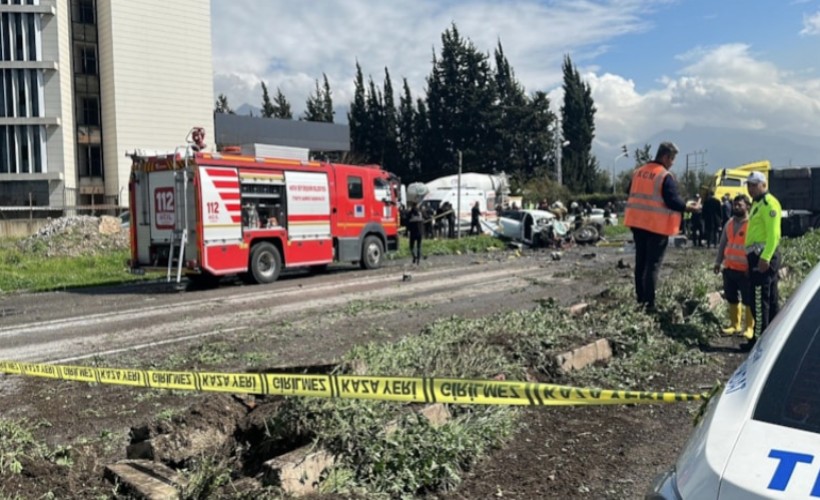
541 228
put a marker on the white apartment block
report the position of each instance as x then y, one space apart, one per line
83 82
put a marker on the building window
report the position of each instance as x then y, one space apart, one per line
88 112
84 11
90 161
22 150
86 56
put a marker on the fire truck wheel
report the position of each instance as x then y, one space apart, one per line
266 263
372 253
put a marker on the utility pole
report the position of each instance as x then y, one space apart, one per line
698 163
458 199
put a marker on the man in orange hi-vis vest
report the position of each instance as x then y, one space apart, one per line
653 212
737 285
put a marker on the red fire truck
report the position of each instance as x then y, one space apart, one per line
208 215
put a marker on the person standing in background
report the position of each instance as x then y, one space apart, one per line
711 219
415 229
653 212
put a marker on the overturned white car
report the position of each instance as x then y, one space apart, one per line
540 228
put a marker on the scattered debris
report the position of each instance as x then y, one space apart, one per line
196 432
555 256
579 358
579 309
624 265
298 472
146 479
715 300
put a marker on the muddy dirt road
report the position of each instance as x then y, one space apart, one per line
73 325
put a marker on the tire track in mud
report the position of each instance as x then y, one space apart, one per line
82 336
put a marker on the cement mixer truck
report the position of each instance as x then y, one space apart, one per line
489 190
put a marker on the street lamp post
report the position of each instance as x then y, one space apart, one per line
560 144
622 154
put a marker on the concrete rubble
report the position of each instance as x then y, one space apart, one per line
145 479
77 235
580 358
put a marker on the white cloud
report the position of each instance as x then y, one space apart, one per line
811 24
724 86
289 44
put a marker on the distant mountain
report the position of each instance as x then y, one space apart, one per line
726 148
246 109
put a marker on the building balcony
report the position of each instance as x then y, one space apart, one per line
47 65
48 121
46 8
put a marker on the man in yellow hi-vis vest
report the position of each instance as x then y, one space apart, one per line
762 252
653 212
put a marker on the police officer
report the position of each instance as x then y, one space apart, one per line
762 252
653 212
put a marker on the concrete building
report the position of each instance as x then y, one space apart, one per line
82 82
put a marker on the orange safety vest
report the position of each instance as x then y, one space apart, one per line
645 208
734 255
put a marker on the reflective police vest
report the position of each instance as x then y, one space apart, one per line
734 254
645 208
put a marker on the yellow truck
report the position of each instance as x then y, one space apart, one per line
733 180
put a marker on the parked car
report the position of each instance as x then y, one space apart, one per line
600 215
760 438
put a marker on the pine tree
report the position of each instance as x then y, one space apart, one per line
281 106
578 126
408 167
314 106
460 99
268 110
222 105
327 102
642 155
375 121
357 118
390 156
428 167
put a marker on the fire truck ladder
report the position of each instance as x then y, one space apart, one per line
179 234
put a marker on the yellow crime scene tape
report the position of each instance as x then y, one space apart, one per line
398 389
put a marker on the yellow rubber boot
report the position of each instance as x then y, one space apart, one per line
734 320
749 330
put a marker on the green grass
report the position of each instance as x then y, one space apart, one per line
18 442
616 231
444 246
32 272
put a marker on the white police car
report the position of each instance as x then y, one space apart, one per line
761 437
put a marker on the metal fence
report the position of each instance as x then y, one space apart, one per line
111 205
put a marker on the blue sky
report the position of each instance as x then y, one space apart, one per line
653 65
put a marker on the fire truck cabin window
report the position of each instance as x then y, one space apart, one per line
354 188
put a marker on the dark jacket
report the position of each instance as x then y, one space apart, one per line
712 215
415 223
